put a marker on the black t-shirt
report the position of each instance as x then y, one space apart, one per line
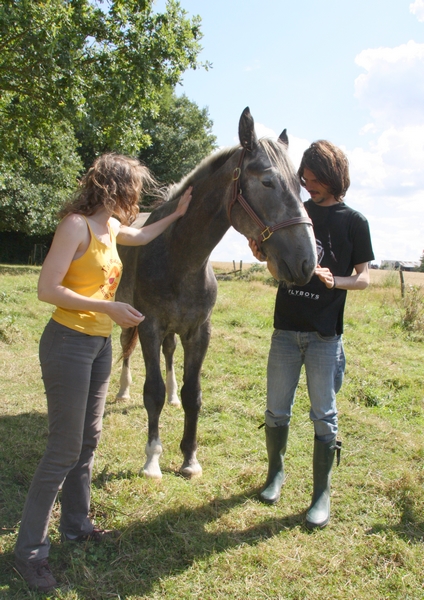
343 241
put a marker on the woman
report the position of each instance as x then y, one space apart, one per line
80 276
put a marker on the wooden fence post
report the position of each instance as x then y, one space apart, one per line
402 283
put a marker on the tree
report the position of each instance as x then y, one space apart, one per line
77 79
421 267
38 181
181 136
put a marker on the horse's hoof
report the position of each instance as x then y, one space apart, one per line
191 470
151 473
174 401
118 398
151 467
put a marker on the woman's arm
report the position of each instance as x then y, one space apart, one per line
70 235
129 236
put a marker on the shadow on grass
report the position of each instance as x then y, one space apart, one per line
146 553
411 524
22 443
170 543
149 552
152 552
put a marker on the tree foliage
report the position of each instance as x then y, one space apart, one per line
78 78
36 184
181 136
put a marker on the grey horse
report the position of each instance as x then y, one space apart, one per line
252 187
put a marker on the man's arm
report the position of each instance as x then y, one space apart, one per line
357 281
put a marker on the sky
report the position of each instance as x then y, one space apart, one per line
349 72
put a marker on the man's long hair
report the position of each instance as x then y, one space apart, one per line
329 165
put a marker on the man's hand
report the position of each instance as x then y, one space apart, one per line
326 276
255 250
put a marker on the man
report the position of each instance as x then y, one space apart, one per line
308 324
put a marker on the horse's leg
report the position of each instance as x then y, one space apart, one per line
195 348
125 380
154 399
168 348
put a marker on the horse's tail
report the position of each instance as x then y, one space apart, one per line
130 342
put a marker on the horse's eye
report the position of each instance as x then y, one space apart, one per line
267 183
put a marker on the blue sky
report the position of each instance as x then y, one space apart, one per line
349 72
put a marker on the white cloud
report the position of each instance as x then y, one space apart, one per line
388 188
387 175
417 9
233 246
297 147
392 89
393 161
264 131
368 128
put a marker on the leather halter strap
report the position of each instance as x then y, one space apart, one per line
266 231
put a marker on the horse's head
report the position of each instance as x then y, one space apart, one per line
266 205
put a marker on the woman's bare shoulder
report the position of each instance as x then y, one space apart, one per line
73 225
73 220
115 225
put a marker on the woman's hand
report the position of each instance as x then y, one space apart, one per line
184 202
124 314
130 236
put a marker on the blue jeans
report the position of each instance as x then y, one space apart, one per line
76 370
324 362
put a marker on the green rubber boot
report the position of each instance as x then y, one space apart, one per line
318 514
276 444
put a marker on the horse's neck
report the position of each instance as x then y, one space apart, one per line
203 226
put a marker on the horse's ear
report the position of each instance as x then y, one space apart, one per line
247 133
284 138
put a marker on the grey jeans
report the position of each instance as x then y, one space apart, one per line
76 370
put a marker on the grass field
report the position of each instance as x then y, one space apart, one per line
210 538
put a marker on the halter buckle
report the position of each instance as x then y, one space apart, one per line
266 234
236 173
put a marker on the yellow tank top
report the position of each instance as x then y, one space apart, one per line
95 274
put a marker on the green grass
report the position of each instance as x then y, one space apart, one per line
209 538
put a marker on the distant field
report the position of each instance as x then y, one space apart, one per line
229 266
377 275
410 278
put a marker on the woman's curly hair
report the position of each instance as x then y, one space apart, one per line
329 165
115 182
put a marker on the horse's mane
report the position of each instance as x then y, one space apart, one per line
274 150
277 154
205 168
